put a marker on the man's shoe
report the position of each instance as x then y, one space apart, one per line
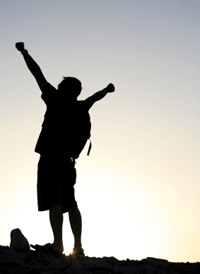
77 252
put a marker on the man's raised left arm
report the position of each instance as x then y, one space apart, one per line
32 65
100 94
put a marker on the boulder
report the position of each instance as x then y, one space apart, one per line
18 241
156 262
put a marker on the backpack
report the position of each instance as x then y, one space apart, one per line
80 128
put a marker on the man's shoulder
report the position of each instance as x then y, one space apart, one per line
48 87
85 104
48 92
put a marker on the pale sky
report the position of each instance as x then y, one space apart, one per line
139 189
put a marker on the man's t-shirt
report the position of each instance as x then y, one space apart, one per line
59 121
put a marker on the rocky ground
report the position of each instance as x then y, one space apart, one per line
19 259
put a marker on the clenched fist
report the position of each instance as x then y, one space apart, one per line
110 88
20 46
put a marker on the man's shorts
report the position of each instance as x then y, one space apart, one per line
55 185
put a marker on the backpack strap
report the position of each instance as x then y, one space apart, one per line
73 160
90 146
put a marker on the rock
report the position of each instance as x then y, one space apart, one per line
18 241
59 264
10 256
156 262
46 272
100 272
111 260
125 270
84 272
75 267
146 269
96 263
17 267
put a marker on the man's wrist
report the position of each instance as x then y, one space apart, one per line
25 51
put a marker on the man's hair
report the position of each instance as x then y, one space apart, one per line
71 84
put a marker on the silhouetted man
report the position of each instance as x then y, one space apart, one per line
56 171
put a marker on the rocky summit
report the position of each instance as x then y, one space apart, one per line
19 259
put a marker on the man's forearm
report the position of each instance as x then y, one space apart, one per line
31 64
100 94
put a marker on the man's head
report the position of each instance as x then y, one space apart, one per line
70 86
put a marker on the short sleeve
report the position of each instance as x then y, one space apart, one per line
48 93
87 105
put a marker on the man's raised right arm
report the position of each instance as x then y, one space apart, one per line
32 65
100 94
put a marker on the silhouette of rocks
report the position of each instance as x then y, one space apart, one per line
22 260
18 241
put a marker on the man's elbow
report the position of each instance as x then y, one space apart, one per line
90 101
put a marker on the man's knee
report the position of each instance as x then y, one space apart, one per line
73 208
55 208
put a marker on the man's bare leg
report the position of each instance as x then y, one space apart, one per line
76 225
56 220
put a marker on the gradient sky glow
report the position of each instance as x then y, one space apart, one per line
139 189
